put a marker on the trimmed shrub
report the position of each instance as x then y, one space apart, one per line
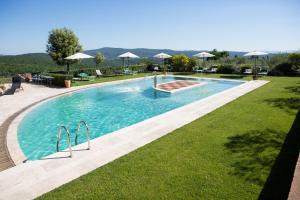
226 69
59 79
283 69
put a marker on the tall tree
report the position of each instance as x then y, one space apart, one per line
99 58
62 43
182 63
294 59
218 54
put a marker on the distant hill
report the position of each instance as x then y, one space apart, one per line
42 61
110 53
30 58
39 62
113 53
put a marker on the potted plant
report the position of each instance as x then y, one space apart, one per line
68 81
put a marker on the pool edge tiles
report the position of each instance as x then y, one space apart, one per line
21 183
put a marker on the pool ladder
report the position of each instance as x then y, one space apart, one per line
76 136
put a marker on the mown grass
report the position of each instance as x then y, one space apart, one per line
243 150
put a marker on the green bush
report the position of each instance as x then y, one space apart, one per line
226 69
284 69
182 63
59 79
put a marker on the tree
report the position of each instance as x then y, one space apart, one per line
218 54
294 59
182 63
61 44
99 58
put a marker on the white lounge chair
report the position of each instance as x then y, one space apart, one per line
212 70
99 73
248 71
198 70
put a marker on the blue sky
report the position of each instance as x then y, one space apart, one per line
174 24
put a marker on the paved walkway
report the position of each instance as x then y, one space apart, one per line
12 105
33 178
295 188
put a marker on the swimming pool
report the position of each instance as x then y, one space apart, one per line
105 109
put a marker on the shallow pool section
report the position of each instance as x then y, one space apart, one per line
105 109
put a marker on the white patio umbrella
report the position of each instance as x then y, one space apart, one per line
127 55
204 55
163 56
255 55
77 56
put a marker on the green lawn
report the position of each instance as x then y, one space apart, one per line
244 150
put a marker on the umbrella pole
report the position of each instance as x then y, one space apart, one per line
254 77
68 67
163 60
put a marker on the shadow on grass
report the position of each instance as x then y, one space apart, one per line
288 104
270 153
280 178
233 76
254 153
294 89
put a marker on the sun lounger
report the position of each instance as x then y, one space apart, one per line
86 77
198 70
16 85
99 73
248 71
212 70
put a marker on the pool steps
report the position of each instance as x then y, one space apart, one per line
87 133
76 136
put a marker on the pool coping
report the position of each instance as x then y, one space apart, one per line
31 179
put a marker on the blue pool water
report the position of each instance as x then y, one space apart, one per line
105 109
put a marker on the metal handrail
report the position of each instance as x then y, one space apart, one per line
58 139
87 133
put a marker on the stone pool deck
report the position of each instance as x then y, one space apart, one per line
33 178
13 105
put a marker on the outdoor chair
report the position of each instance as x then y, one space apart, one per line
16 85
37 79
248 71
198 70
99 73
85 77
212 70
